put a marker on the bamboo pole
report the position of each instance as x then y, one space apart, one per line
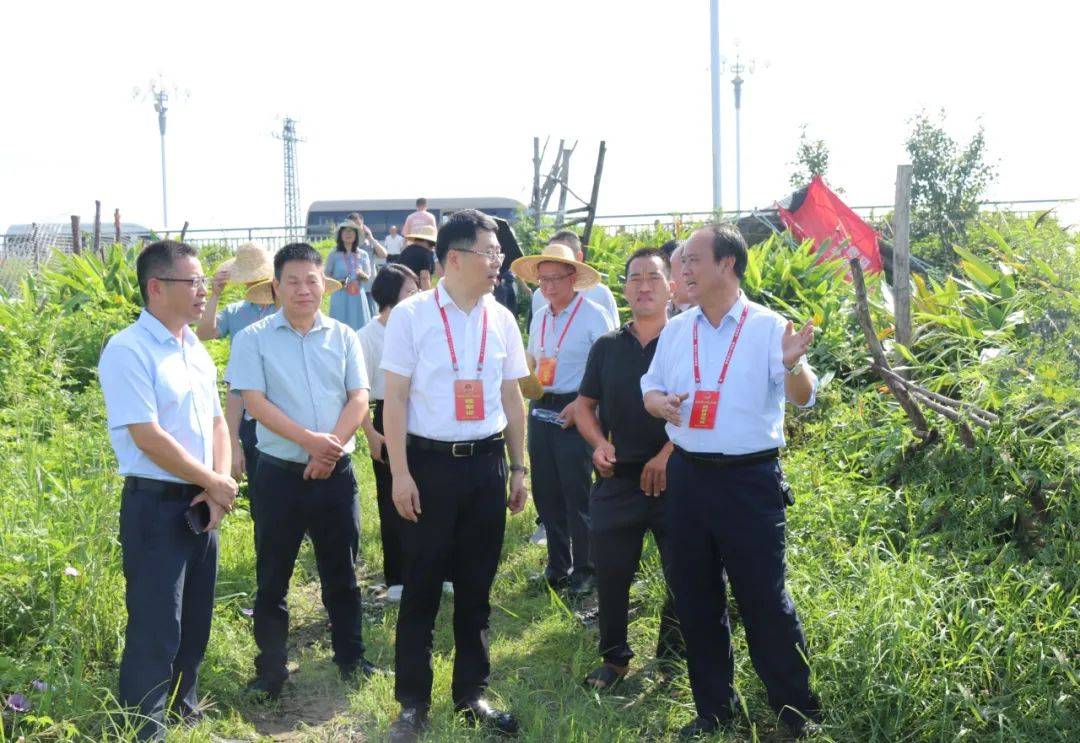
97 228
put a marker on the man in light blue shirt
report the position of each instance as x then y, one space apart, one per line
720 377
598 293
170 438
303 379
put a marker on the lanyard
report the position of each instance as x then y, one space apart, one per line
543 326
730 351
450 337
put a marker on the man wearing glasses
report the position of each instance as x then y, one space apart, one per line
559 340
453 408
172 444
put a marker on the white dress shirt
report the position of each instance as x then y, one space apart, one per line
750 417
415 346
394 243
371 338
148 376
591 322
599 294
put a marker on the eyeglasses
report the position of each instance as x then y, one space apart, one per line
545 280
195 282
491 257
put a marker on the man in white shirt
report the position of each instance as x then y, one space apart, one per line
394 242
720 377
172 443
452 358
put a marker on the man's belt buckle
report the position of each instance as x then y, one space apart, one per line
462 448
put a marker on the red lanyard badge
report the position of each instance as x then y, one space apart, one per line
545 370
706 402
468 393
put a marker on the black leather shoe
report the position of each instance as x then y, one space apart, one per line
265 689
702 727
583 585
408 726
352 673
479 712
543 582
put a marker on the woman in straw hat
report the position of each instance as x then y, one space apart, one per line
419 253
351 265
251 265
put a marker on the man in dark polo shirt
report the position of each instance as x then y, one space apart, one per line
630 451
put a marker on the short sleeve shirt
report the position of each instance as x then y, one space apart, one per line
590 322
236 316
149 376
416 347
306 376
613 374
418 258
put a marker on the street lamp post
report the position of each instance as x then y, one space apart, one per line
714 68
161 105
739 68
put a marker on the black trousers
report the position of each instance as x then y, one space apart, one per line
248 441
170 575
460 534
561 470
733 519
620 513
328 511
390 521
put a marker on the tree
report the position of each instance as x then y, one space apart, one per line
948 180
812 158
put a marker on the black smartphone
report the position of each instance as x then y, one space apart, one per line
198 517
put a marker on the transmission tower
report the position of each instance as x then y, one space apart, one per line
292 190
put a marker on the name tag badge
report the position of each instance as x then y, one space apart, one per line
469 399
703 413
545 372
352 288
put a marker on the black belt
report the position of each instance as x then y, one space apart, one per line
299 467
556 399
164 488
457 449
729 460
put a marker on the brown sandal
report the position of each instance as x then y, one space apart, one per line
606 676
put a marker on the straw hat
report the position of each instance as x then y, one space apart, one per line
251 263
261 293
526 266
531 389
423 232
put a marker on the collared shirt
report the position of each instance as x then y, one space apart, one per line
613 374
236 316
306 376
416 347
371 338
599 294
394 243
591 322
750 417
418 219
148 376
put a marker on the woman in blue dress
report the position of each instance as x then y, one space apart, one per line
351 265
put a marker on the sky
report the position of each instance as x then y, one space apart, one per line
398 100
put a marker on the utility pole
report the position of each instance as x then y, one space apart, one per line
738 69
714 69
292 189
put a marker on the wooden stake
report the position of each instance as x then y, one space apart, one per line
862 306
595 193
183 231
902 255
76 235
116 223
97 228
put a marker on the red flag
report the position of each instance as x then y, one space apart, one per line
826 219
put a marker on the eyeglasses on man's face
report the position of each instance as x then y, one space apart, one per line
490 256
195 282
547 280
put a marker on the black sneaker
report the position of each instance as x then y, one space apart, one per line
583 585
479 712
355 672
408 726
265 689
702 727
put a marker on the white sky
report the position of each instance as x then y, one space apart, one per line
399 99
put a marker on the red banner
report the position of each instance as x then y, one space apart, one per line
827 220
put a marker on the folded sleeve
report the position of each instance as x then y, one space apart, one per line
399 350
127 381
590 381
245 369
356 377
514 365
654 378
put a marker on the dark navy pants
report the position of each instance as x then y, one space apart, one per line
620 513
733 518
460 534
561 471
170 574
327 510
390 522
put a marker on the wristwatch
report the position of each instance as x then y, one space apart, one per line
797 369
519 468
